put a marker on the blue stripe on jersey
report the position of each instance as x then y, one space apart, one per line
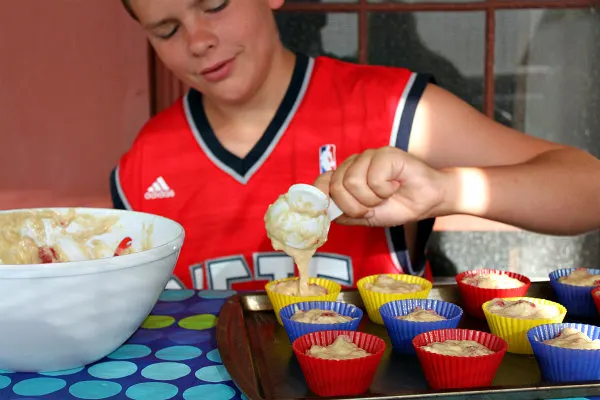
425 227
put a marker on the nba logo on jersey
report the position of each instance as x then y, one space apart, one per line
327 159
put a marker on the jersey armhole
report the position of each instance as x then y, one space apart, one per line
400 138
119 200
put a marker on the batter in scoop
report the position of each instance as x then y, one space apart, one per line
341 349
460 348
277 232
570 338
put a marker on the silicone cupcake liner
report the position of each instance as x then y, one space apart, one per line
278 300
596 297
296 329
473 297
453 372
565 365
514 330
402 332
577 299
338 377
374 300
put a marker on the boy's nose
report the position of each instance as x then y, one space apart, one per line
201 41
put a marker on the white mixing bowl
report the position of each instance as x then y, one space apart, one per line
66 315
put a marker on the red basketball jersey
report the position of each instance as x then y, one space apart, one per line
177 168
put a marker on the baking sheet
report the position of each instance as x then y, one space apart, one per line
257 353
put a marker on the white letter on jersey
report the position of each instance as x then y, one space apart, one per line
273 266
336 267
197 272
222 272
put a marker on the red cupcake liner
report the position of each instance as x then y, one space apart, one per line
474 297
596 297
453 372
338 377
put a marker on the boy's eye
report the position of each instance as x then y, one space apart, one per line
214 6
167 32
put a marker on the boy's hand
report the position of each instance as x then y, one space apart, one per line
383 187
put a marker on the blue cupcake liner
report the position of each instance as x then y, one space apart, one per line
565 365
402 332
296 329
577 299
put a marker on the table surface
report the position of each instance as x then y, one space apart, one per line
173 355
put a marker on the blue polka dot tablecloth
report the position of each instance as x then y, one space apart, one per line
173 355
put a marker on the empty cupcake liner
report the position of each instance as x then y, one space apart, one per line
278 300
374 300
453 372
473 297
402 332
338 377
514 330
565 365
295 329
577 299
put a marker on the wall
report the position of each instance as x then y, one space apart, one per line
73 94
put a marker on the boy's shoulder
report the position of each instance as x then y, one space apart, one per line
348 72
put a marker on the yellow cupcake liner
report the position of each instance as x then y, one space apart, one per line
374 300
278 300
514 330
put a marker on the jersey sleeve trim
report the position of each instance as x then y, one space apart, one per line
405 111
400 138
119 199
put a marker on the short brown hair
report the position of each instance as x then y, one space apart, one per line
127 6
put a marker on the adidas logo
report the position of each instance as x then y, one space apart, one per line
159 190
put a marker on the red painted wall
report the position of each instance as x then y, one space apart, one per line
73 95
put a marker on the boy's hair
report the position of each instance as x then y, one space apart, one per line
127 6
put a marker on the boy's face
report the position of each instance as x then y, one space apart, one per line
222 48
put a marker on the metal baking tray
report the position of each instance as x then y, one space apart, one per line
257 354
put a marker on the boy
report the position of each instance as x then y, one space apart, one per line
260 118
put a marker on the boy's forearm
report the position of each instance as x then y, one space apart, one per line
530 195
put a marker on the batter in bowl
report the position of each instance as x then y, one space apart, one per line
387 284
460 348
570 338
580 277
317 316
341 349
522 309
38 236
421 315
493 281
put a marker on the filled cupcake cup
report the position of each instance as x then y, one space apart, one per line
596 297
473 297
514 330
295 329
558 364
279 300
402 332
374 300
577 299
453 372
339 377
